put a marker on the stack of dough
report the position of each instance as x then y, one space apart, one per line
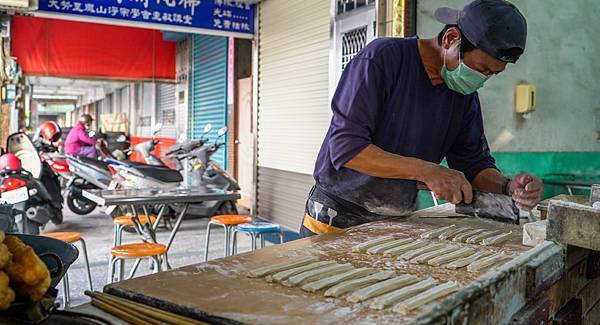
380 289
468 235
423 251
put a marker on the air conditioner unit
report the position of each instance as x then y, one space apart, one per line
18 5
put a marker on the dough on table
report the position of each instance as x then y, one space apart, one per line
495 240
450 233
382 287
457 264
436 232
284 275
389 245
269 269
487 262
424 258
351 285
337 278
362 247
317 274
452 256
405 248
426 249
477 238
393 297
463 236
426 297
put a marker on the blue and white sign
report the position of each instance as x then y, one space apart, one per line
216 15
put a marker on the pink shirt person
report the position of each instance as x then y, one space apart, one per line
79 143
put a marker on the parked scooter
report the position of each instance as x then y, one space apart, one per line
206 172
179 151
88 174
146 148
47 135
30 185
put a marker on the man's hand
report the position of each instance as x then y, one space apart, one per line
448 184
526 190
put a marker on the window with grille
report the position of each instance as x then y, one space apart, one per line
344 6
352 42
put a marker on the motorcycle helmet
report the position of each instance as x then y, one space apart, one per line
50 131
9 161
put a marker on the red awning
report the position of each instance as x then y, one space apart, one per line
61 48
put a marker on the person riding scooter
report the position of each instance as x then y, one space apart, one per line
78 142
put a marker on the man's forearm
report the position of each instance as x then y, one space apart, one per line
490 180
377 162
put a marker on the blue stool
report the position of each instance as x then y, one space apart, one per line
257 230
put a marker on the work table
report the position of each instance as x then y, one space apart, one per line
220 292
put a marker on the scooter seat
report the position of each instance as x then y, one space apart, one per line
94 162
163 174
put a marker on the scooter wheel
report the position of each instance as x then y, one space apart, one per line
80 207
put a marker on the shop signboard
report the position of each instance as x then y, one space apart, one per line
216 17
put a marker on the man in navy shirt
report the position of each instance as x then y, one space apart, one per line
403 105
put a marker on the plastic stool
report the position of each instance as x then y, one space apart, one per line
135 251
123 221
71 237
228 222
257 230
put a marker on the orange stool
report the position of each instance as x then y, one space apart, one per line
71 237
228 222
135 251
124 221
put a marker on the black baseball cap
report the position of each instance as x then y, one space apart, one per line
496 27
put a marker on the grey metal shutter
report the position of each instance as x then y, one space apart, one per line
165 101
208 89
293 103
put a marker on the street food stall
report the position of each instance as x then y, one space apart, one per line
516 283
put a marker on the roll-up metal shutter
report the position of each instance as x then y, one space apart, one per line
293 103
165 101
208 89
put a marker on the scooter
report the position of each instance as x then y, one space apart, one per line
57 162
33 189
205 172
147 147
88 174
179 151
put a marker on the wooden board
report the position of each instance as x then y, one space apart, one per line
220 292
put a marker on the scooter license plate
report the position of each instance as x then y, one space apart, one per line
15 196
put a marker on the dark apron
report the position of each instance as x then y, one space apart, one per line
325 213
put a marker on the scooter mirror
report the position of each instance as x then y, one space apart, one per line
182 138
92 134
222 131
156 128
207 128
121 138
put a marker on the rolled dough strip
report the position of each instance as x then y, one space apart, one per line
486 234
426 297
487 262
269 269
284 275
382 287
414 253
450 233
389 245
453 256
463 236
351 285
314 275
499 239
457 264
335 279
361 248
393 297
424 258
436 232
405 248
